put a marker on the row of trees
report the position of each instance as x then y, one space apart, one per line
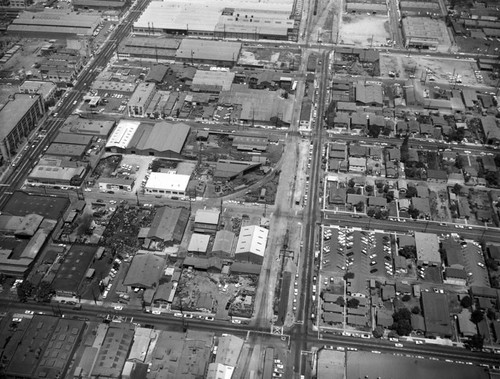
42 293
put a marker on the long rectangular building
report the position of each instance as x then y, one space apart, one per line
55 22
17 119
224 19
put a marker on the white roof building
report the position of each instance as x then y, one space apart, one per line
427 245
224 19
251 244
169 184
207 216
198 243
123 134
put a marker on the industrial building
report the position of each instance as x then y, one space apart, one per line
113 351
225 19
55 23
161 139
62 66
168 225
146 47
420 8
212 81
140 99
115 184
251 244
25 237
17 119
99 4
73 269
423 32
219 53
41 347
206 221
198 243
167 184
47 90
57 172
223 244
85 126
66 150
144 272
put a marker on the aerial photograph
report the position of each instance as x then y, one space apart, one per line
258 189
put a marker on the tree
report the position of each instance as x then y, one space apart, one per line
340 301
408 251
24 291
415 310
370 212
392 334
406 298
44 292
456 189
491 314
389 196
476 316
378 332
413 212
349 275
466 302
403 327
369 188
475 342
352 303
411 192
360 206
491 264
85 223
401 314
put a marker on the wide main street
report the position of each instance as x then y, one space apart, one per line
301 337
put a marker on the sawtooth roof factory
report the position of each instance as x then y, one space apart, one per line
225 19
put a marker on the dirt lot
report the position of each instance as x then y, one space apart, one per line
364 30
231 296
270 58
441 69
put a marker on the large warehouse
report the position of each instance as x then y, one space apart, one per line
425 33
220 53
224 19
55 23
251 244
17 119
162 139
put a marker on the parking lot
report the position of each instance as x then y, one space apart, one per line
347 250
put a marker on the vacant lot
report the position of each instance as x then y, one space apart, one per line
439 70
364 30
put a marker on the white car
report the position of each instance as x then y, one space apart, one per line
156 312
177 314
118 308
236 321
28 312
